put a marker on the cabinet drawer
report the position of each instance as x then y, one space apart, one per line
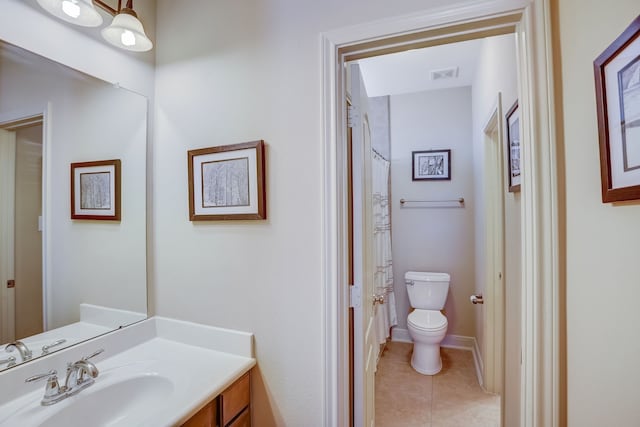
205 417
235 399
243 420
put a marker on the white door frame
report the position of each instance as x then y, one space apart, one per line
25 117
494 312
7 234
541 403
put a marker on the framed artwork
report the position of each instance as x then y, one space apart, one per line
513 147
431 165
227 182
617 78
95 190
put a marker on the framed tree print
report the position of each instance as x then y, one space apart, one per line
617 79
95 190
513 147
227 182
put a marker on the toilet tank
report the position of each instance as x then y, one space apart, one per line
427 290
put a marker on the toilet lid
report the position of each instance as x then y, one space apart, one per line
427 319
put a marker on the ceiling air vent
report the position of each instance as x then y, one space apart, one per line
444 73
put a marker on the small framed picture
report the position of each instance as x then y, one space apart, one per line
431 165
617 79
513 147
95 190
227 182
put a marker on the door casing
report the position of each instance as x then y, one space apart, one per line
493 308
542 370
15 120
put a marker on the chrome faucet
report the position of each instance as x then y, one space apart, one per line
24 351
80 375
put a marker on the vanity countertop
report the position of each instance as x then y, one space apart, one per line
158 372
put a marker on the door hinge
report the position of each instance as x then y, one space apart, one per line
355 296
352 116
11 284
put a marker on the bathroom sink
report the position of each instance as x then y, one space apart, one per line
144 380
121 396
121 403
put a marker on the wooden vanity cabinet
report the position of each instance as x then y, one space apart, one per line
232 408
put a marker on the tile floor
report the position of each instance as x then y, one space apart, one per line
452 398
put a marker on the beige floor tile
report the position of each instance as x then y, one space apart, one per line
403 396
452 398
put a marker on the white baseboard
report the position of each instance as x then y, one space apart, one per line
450 341
477 358
400 335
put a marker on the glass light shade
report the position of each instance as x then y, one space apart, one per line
126 32
78 12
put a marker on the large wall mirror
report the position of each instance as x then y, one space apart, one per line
65 280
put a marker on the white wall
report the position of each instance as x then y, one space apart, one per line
244 71
95 262
379 121
497 72
602 267
428 238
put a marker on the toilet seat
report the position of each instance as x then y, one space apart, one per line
427 320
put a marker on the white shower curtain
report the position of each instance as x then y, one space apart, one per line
385 315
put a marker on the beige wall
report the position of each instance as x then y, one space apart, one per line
427 237
602 268
249 70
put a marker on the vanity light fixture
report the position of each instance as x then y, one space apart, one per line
78 12
125 31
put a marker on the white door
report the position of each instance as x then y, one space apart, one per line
7 197
365 347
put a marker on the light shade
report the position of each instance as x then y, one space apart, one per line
126 32
78 12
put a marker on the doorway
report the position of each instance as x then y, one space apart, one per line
21 264
540 401
436 222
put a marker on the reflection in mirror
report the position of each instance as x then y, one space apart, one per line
63 281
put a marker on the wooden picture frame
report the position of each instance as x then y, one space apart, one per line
95 190
512 120
227 182
431 165
617 80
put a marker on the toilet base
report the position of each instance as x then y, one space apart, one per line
426 358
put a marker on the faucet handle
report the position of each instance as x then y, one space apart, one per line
51 375
47 347
10 361
94 354
52 391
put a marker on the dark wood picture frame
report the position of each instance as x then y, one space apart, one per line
514 164
227 182
95 190
431 165
613 126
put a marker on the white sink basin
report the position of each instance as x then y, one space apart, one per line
122 403
149 377
122 395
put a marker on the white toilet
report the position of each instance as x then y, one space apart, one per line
427 325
